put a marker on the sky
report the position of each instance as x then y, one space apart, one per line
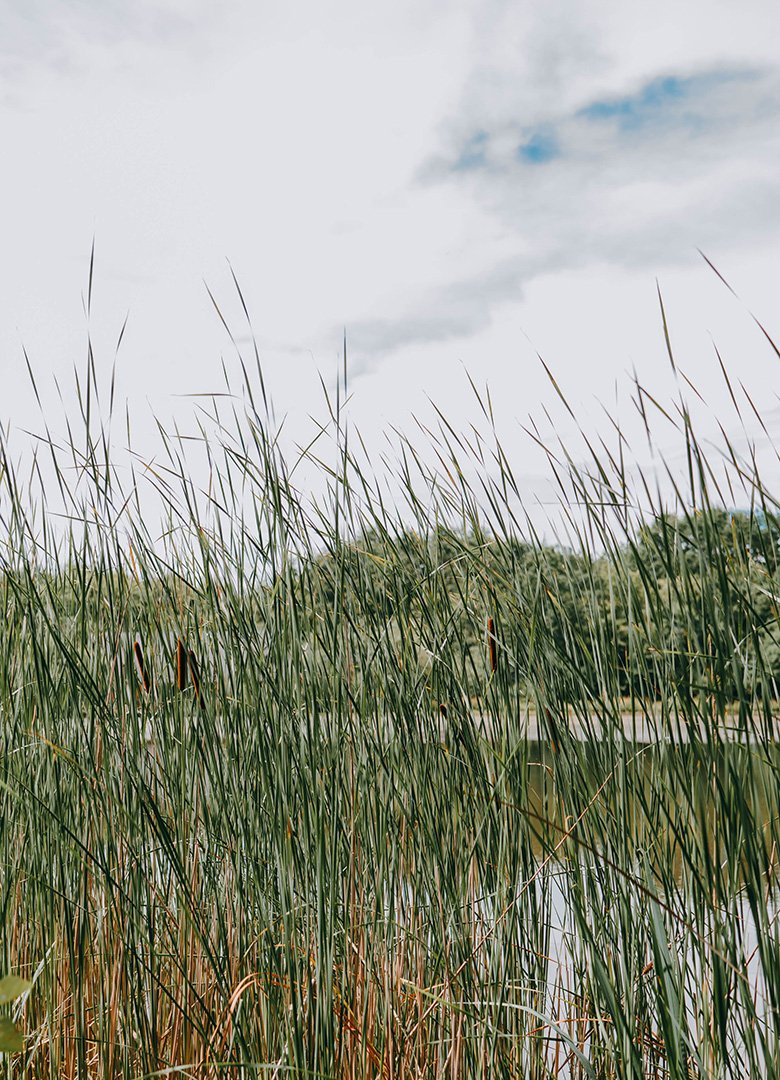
461 188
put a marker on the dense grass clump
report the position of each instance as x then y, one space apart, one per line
324 789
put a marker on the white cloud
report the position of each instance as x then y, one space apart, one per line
299 141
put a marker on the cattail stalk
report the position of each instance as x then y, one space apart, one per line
181 665
139 659
491 644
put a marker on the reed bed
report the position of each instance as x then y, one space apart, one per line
269 802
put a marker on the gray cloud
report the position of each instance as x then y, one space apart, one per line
668 108
639 178
453 311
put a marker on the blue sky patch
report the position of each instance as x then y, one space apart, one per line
693 104
658 101
540 148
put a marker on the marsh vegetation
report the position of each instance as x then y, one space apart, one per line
270 802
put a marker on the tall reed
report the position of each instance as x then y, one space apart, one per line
349 843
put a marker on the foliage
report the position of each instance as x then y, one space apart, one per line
11 988
331 833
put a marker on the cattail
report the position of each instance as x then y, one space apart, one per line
139 659
443 711
491 643
181 665
195 674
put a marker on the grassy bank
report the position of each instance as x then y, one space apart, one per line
250 825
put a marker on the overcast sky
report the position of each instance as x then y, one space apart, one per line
459 185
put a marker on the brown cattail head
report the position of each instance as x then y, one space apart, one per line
139 659
491 644
181 665
443 711
195 674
